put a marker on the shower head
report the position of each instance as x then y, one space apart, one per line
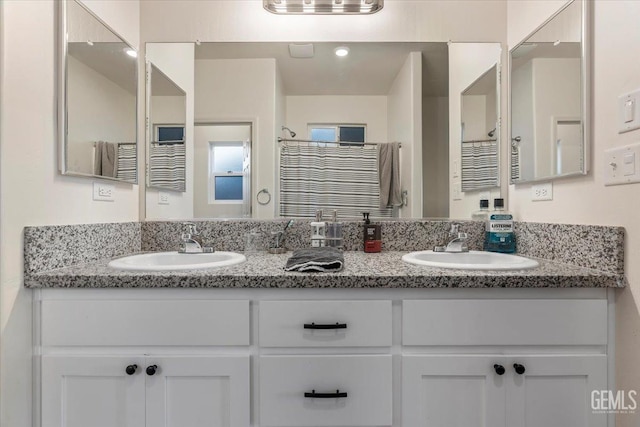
493 132
292 133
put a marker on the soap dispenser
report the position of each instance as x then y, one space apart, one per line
372 235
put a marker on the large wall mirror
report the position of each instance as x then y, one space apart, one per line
166 118
550 97
98 86
480 148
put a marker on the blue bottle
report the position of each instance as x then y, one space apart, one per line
499 235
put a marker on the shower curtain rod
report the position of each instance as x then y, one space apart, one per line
334 142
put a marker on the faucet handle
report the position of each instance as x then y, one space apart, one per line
192 228
455 227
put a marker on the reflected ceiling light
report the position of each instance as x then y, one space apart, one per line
132 53
556 43
341 51
326 7
89 42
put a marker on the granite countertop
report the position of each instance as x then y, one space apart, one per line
362 270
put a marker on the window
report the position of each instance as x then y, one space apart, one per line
344 134
226 178
169 134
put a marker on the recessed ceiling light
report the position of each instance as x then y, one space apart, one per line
341 51
132 53
89 42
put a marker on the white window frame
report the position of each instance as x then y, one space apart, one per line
336 127
211 193
158 126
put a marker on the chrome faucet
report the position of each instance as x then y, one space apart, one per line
192 241
458 242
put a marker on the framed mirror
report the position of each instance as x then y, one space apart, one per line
97 92
166 119
549 82
480 143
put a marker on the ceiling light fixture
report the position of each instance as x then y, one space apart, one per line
132 53
323 7
341 51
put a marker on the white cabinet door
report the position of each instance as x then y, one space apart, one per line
210 391
92 391
555 391
452 391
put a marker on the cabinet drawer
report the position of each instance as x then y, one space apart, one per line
294 323
145 322
504 322
366 380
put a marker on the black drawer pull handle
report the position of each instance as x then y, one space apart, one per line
338 393
325 326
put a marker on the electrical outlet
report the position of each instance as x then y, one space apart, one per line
103 192
163 198
542 192
457 192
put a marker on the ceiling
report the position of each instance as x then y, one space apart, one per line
369 69
108 59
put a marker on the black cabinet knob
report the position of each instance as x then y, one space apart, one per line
151 369
519 368
131 369
499 369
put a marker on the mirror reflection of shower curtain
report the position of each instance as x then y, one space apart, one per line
344 178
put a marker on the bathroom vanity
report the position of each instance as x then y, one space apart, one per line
381 343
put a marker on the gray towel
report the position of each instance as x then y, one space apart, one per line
389 171
106 159
315 259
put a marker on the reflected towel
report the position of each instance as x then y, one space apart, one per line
316 260
106 159
389 171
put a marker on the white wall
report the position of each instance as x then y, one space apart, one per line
243 90
33 192
586 200
98 110
522 118
176 60
435 157
467 62
368 110
400 20
404 124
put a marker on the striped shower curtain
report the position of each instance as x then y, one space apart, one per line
167 166
344 178
479 165
127 155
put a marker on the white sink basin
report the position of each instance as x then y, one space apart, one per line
165 261
472 260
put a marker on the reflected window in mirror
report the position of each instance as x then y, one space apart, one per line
338 133
549 98
169 133
98 98
226 177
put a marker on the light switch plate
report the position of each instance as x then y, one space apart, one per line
103 192
542 192
629 112
622 165
457 190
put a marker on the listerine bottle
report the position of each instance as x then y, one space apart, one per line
499 235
